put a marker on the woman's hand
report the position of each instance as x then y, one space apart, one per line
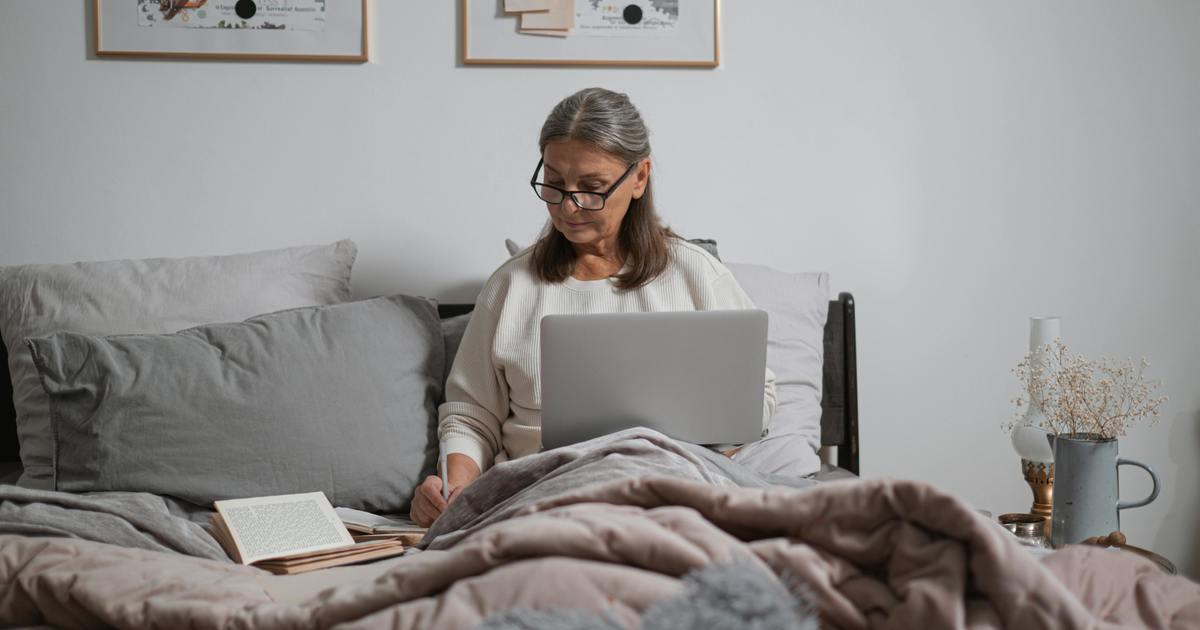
428 503
731 452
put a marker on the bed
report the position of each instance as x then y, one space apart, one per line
625 530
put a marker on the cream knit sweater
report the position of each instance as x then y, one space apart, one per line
493 393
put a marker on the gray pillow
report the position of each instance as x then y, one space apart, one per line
707 244
156 295
340 399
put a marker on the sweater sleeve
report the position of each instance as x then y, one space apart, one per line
727 294
476 394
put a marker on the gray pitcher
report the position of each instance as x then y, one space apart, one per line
1086 488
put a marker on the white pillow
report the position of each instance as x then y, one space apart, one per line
158 295
797 305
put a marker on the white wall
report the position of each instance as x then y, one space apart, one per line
958 166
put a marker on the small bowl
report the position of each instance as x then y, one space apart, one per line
1030 528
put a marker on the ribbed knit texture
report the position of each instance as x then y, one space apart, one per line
494 396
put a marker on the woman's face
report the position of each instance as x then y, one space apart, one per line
578 166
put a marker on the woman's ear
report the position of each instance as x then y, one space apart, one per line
641 178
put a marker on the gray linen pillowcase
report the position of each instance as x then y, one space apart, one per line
340 399
156 295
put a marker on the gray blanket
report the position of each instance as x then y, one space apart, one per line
145 521
128 519
510 488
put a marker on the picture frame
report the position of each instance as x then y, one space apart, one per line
489 36
277 30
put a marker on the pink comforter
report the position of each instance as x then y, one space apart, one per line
879 554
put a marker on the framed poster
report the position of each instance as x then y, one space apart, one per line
298 30
591 32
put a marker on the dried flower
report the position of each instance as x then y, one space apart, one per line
1076 395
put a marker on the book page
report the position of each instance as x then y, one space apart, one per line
374 524
270 527
361 553
359 549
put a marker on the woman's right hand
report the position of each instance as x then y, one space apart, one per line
428 504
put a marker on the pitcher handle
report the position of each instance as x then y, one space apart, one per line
1123 505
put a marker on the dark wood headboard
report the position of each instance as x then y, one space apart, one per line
839 398
839 391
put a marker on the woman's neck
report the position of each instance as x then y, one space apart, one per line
596 262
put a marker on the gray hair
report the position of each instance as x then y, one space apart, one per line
603 118
609 122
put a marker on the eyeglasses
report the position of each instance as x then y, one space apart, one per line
584 200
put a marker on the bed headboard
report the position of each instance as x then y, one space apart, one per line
839 391
839 398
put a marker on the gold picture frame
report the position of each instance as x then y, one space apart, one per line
346 41
702 47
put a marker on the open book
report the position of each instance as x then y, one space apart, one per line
367 526
293 533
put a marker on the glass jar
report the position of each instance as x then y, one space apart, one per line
1030 529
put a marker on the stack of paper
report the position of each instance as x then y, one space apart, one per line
554 18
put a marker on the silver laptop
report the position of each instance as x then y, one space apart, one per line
696 376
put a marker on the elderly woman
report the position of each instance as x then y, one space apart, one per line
603 250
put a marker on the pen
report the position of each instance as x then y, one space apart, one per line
445 474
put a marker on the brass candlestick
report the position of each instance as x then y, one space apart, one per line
1040 477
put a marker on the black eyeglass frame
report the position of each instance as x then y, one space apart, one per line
534 183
